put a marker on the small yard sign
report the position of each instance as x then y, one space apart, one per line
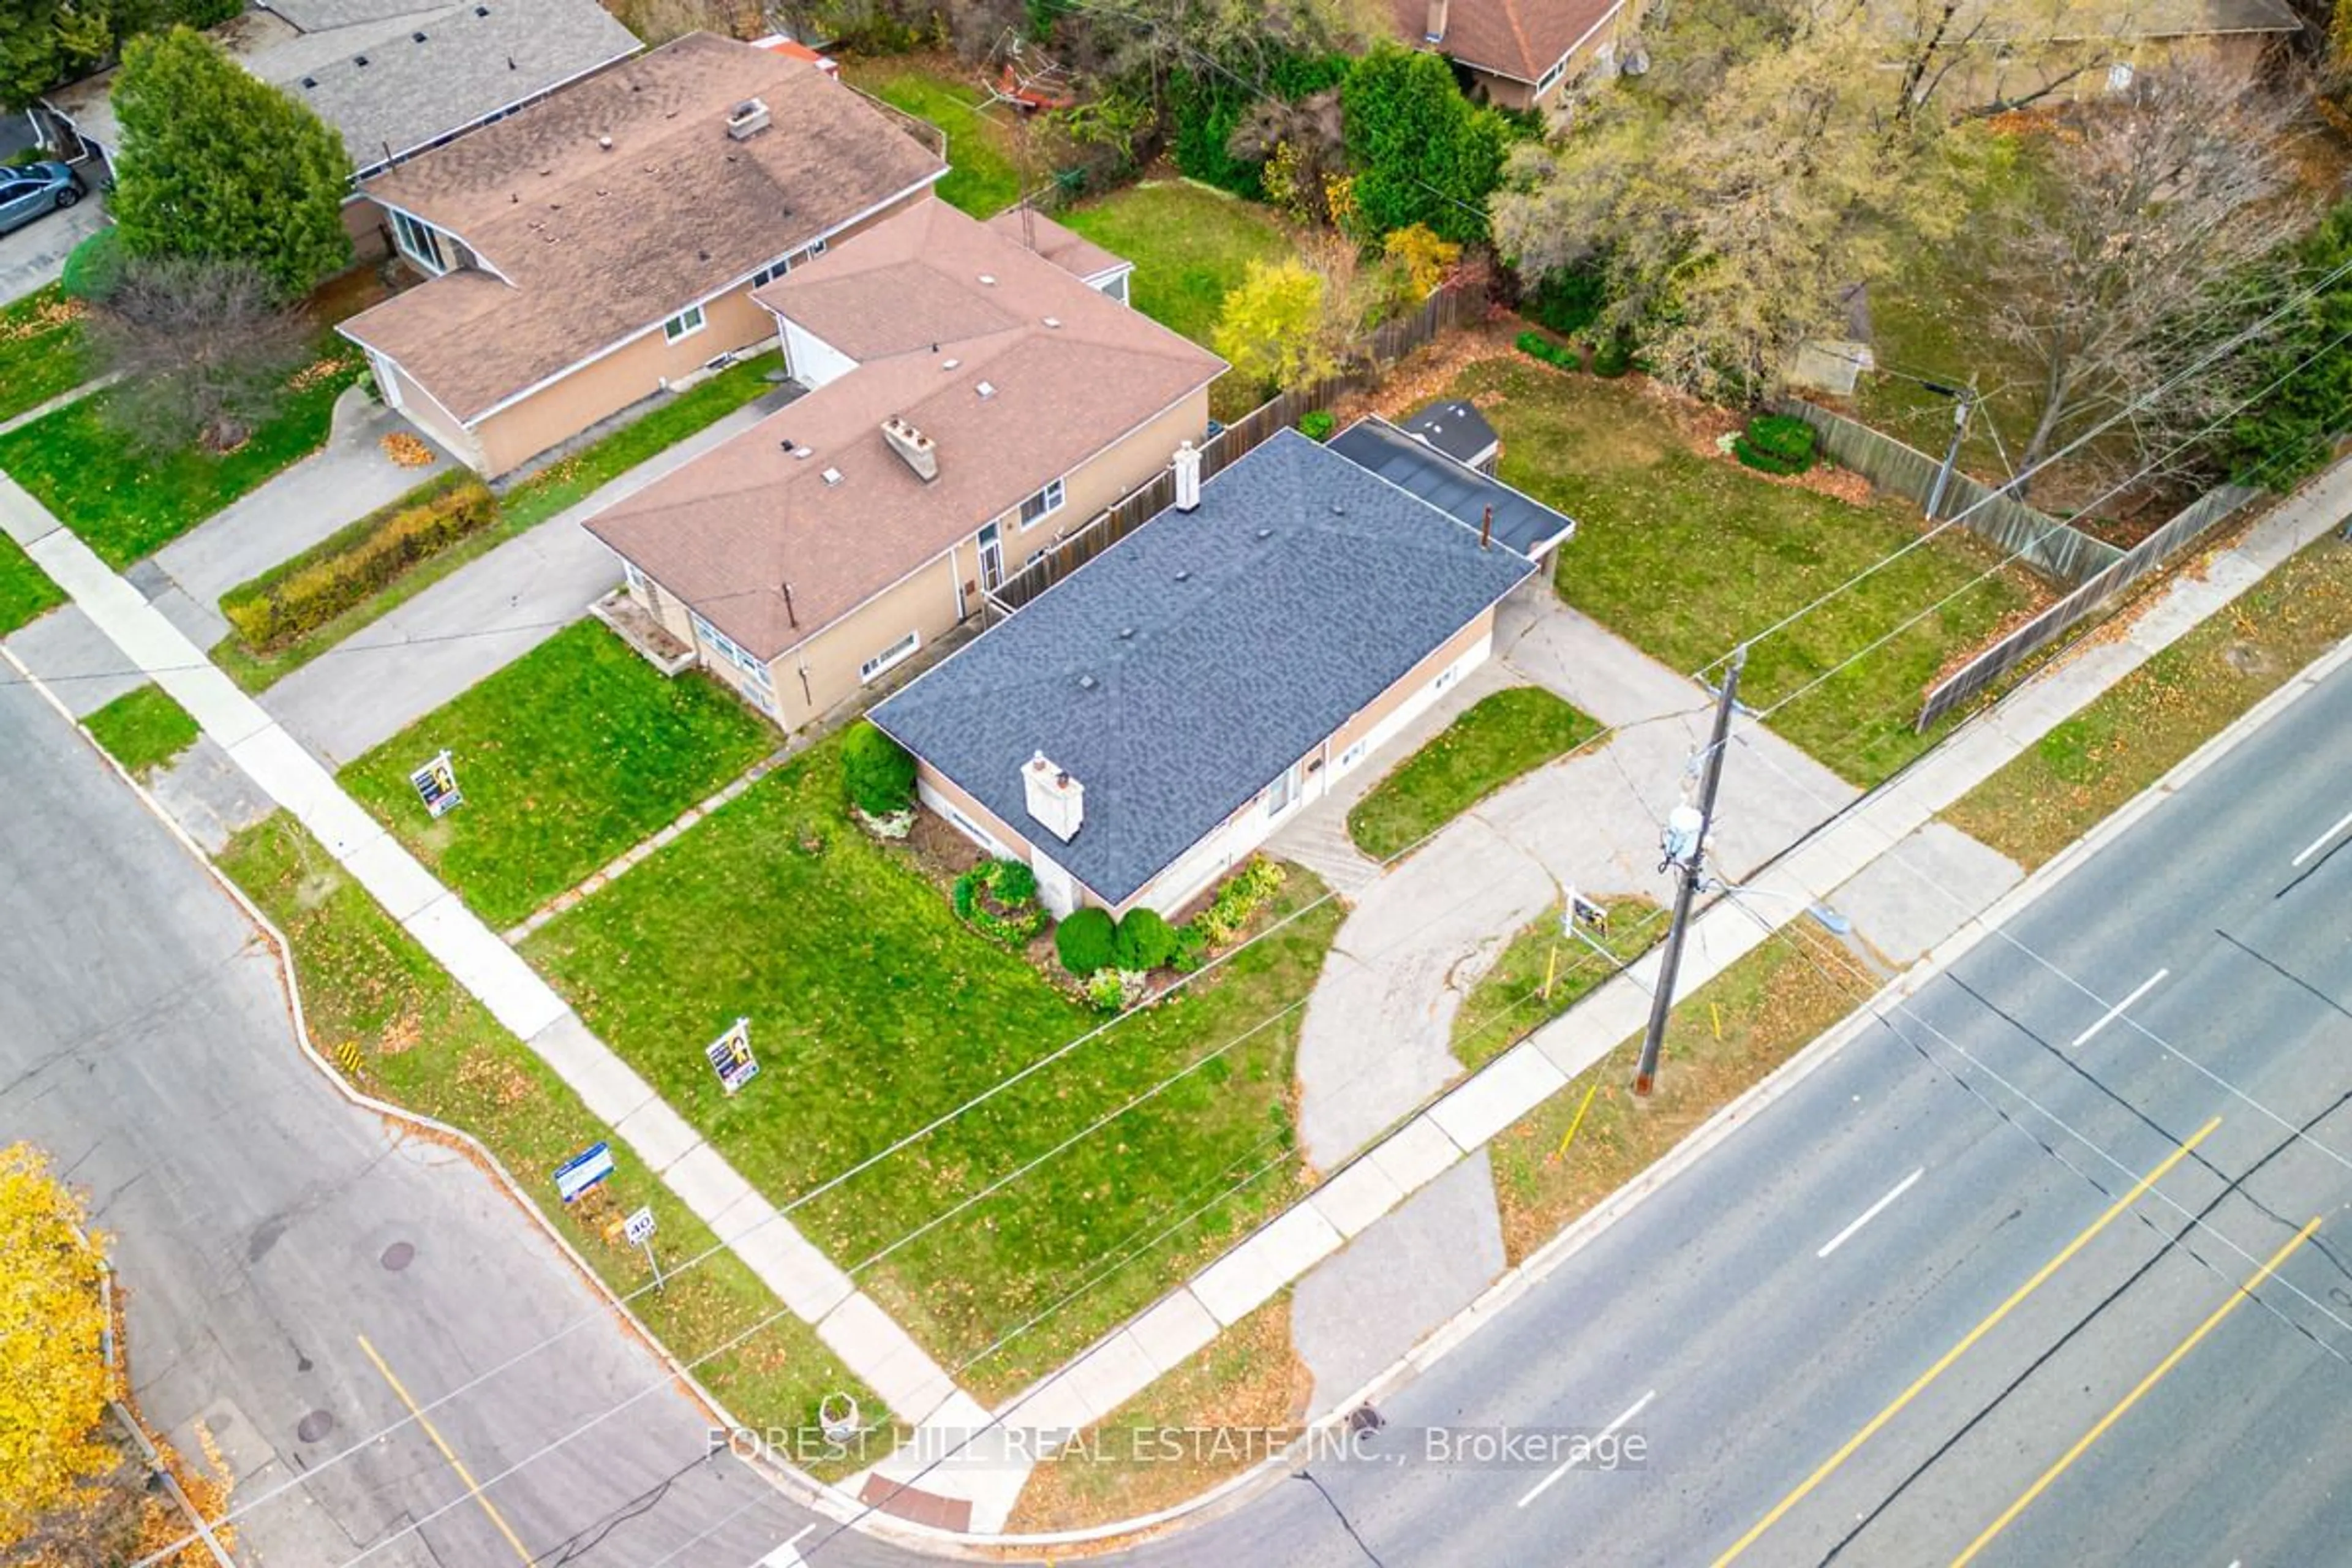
584 1170
639 1227
730 1056
436 785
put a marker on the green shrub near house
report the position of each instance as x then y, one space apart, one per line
999 898
879 773
1085 941
1775 443
1145 942
1317 424
303 594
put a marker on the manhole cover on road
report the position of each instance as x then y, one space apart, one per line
397 1256
315 1425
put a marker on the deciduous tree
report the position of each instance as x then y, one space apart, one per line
204 348
1276 328
54 1382
218 164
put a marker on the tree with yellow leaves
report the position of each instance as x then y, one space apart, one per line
54 1380
1277 328
1425 258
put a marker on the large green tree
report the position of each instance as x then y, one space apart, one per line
44 42
218 166
1423 152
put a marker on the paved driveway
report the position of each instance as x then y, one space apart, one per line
35 253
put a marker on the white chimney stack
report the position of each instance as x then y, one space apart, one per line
1188 478
1057 800
1433 29
919 452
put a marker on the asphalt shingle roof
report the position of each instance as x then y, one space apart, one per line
1462 494
1221 646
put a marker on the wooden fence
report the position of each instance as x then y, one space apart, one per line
1441 312
2087 599
2040 541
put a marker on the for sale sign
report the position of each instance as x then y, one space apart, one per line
436 785
730 1056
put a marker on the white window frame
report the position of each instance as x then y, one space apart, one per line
1452 673
678 330
733 652
1354 754
634 578
771 271
409 233
816 248
1545 82
1050 499
1115 287
896 653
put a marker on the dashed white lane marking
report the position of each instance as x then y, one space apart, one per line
2309 851
2112 1014
1872 1213
1538 1490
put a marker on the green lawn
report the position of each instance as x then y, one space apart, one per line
565 758
1544 971
2133 733
25 591
144 729
415 1038
42 353
126 506
874 1010
1190 245
984 178
1497 738
1684 555
526 505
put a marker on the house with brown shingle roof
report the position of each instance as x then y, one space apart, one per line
1516 53
974 399
600 245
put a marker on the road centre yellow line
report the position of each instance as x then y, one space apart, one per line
2179 1351
1829 1467
473 1487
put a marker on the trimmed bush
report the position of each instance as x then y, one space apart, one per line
1776 443
1317 424
94 267
1535 346
879 771
1116 990
306 593
1145 942
1192 949
1612 358
999 898
1243 894
1086 940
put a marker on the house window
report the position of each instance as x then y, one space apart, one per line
685 324
1042 505
634 578
898 652
1115 288
816 248
420 242
1354 754
1452 673
771 271
1549 79
729 649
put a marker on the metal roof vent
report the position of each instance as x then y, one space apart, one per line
1127 634
415 38
986 389
989 279
359 60
950 364
310 81
1185 576
832 476
746 118
1265 533
1088 682
1053 321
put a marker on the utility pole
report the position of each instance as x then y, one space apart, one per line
1685 848
1964 399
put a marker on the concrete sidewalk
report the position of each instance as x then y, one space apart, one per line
869 1343
477 621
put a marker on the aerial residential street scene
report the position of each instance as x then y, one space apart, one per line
1143 781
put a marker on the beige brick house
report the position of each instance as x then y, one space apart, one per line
601 245
972 399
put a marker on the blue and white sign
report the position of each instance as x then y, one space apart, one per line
584 1170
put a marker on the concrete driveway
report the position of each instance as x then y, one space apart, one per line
35 254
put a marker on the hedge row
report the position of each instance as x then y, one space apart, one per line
348 568
1535 346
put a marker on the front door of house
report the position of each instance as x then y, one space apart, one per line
1282 792
992 557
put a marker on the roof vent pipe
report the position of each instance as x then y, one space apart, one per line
1188 478
1486 529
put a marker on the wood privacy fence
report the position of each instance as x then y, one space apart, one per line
1447 309
2087 599
2037 538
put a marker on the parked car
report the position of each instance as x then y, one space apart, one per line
28 191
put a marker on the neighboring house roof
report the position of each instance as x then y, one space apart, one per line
905 300
1178 672
1516 39
1455 427
593 243
1073 253
1462 492
434 67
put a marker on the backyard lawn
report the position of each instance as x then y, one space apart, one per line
524 506
1495 741
1190 245
41 350
144 729
125 505
982 177
565 758
25 590
2133 733
874 1010
415 1038
1685 554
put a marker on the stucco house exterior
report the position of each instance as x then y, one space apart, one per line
1140 727
972 400
393 78
601 245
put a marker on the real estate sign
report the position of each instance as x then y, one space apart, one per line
730 1056
436 785
584 1170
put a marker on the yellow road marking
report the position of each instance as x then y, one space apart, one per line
2112 1416
1829 1467
473 1487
